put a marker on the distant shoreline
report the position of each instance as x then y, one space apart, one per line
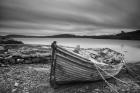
121 36
72 38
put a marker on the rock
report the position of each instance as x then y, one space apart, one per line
16 84
11 61
35 60
97 89
27 61
20 60
1 48
14 90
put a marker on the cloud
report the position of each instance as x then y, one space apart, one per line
73 16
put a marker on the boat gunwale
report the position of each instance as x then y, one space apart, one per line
83 60
72 54
91 65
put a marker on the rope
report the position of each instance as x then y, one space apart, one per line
137 76
113 76
105 80
130 70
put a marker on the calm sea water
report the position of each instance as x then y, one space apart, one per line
130 48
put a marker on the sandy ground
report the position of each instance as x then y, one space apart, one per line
34 78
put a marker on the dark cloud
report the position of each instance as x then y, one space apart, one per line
74 16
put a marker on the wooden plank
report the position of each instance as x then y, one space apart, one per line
75 72
78 62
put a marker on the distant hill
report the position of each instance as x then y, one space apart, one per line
134 35
21 36
129 35
53 36
7 40
64 36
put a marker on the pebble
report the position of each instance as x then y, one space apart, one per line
97 89
14 90
16 84
1 48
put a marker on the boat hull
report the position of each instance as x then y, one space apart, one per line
70 68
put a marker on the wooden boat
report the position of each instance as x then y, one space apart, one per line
67 67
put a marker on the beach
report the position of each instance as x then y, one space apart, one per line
25 75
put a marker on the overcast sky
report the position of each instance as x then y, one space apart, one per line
81 17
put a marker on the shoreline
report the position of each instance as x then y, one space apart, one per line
18 53
32 74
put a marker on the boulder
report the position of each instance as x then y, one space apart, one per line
1 48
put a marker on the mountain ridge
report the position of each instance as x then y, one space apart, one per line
135 35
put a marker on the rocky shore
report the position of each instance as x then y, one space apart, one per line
24 54
26 69
34 78
8 40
